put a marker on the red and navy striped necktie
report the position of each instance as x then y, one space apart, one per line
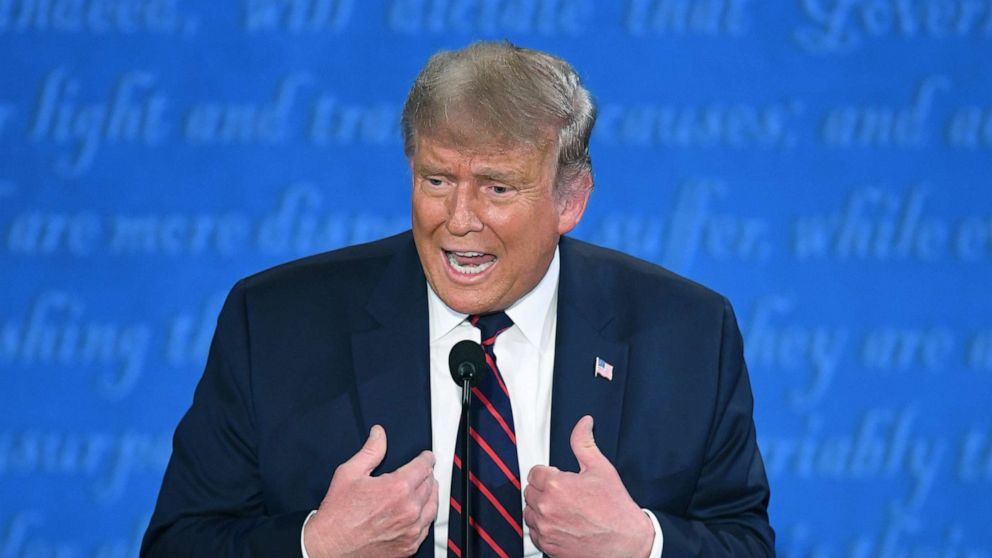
497 514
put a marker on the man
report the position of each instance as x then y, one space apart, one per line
616 416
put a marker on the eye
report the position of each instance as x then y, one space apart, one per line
435 181
500 190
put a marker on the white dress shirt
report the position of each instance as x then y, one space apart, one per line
526 357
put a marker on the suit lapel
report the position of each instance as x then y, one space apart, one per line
391 360
392 366
585 332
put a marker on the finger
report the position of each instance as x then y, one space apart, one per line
423 534
371 454
530 519
532 495
584 444
422 494
428 512
540 475
428 516
432 503
417 470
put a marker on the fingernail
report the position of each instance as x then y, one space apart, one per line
374 433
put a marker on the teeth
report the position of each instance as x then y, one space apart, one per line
468 269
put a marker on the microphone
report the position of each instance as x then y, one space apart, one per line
467 364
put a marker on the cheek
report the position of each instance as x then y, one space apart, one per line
427 212
533 226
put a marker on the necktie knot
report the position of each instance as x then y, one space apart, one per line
491 325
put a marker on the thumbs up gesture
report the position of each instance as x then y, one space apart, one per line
362 515
589 513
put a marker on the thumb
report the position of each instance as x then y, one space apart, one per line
584 444
371 454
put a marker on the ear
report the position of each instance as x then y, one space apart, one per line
573 205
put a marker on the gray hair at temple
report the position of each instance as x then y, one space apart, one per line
495 93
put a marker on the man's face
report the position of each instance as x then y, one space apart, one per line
486 221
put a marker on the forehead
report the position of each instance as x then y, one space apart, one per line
511 156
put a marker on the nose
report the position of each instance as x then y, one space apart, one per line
463 214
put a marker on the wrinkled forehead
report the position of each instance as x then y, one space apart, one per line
496 157
474 132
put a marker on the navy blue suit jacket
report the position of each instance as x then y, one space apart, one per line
309 355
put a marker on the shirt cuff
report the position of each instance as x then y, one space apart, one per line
303 529
659 538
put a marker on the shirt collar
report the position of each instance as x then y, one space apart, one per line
530 313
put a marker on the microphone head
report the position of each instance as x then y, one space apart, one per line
467 361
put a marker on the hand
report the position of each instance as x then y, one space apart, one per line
589 513
361 515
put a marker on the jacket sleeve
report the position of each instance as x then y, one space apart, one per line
212 500
727 514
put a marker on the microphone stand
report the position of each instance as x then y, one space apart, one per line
467 534
467 364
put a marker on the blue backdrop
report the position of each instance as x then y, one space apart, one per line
823 163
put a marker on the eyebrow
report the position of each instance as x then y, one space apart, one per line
499 175
427 168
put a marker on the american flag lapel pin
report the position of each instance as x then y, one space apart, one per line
604 369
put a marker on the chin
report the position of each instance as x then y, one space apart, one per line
465 305
466 302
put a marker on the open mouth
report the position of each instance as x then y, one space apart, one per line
470 263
